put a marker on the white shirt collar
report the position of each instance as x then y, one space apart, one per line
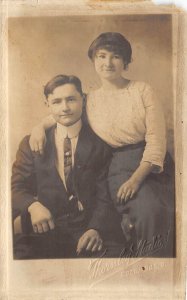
70 131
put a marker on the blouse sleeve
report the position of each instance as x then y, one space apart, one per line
155 136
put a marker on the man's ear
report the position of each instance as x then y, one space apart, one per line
46 102
84 97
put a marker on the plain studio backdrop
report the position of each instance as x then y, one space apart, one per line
40 48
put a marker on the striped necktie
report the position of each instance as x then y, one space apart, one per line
68 173
67 158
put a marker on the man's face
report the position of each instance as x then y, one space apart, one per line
66 103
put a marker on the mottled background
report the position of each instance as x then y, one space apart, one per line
40 48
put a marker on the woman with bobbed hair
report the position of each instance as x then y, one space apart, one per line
113 42
128 117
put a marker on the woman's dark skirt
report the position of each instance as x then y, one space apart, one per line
148 219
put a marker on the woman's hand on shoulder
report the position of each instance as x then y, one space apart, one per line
127 190
38 139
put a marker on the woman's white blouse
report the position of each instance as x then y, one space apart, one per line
128 116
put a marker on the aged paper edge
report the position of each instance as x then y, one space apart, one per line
38 8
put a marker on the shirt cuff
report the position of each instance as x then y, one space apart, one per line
157 166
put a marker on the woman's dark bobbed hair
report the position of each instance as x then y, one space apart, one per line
112 41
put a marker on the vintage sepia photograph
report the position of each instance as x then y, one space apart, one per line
94 176
95 207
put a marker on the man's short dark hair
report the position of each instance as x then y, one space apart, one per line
61 80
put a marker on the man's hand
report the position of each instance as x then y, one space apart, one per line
127 190
41 218
90 240
38 139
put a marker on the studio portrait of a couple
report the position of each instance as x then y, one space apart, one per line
93 175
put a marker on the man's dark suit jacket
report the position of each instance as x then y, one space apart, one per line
35 175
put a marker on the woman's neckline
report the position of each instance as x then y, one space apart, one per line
118 90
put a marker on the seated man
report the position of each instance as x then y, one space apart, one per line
61 197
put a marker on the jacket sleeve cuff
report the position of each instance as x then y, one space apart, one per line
94 225
24 208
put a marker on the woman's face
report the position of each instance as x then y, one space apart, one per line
108 65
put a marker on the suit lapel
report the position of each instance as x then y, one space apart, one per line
50 149
50 156
84 147
82 155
